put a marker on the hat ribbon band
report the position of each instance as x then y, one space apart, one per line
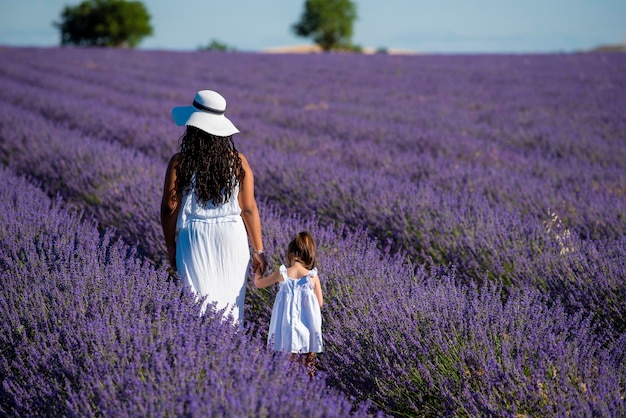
207 109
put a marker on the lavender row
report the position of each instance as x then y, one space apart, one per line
374 271
581 193
90 114
462 215
420 345
537 107
508 153
420 342
604 263
445 350
119 186
89 329
510 137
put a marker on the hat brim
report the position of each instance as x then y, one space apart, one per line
218 125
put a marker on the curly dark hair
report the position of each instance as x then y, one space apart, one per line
214 160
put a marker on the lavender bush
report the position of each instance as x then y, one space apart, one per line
417 342
457 200
88 329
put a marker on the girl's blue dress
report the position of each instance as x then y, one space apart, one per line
296 323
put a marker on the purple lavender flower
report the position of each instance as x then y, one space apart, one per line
469 212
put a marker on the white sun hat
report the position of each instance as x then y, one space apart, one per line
206 113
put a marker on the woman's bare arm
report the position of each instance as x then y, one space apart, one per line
250 215
169 209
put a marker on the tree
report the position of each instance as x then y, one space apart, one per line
328 22
216 45
104 23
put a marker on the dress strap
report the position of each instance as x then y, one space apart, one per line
283 271
312 273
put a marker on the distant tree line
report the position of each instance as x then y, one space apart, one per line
116 23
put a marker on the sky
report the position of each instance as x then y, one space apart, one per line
422 26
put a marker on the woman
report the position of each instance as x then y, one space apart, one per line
208 209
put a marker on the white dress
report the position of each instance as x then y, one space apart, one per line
296 322
212 252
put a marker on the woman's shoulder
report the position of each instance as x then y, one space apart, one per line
244 161
173 164
175 159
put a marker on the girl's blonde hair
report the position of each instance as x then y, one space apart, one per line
302 249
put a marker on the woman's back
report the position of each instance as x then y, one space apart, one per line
191 209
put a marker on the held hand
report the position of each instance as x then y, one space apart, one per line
259 263
257 274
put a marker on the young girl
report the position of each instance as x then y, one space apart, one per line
296 322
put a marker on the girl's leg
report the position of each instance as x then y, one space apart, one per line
309 363
306 361
295 357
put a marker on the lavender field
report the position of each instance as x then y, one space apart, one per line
470 213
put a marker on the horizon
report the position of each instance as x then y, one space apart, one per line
488 26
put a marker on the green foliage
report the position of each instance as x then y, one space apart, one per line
216 45
104 23
328 22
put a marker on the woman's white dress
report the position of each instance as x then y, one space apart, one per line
296 322
212 252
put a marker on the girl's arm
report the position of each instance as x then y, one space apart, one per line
251 217
261 282
317 288
169 209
